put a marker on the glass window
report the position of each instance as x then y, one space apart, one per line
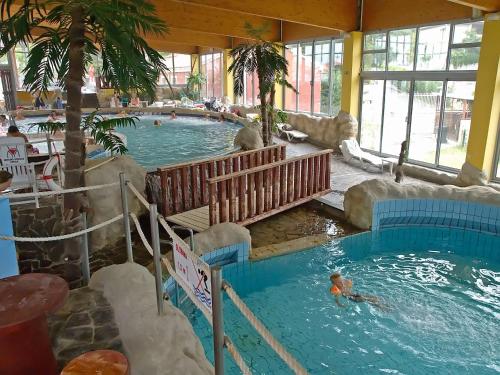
397 97
168 58
182 68
468 32
401 49
425 119
371 116
21 54
374 61
464 58
336 84
203 70
321 87
305 77
217 80
456 123
291 55
375 41
432 47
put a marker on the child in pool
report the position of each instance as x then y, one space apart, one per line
343 287
157 123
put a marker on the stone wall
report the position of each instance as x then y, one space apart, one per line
56 257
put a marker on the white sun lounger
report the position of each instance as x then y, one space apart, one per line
291 134
351 150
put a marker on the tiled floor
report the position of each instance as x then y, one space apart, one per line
343 175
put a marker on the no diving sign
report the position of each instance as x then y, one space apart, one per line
193 271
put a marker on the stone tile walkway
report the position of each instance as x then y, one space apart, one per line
85 323
343 175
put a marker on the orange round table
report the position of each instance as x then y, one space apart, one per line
25 301
102 362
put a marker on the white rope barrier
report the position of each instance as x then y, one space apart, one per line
100 164
236 356
138 195
141 233
57 192
263 331
64 236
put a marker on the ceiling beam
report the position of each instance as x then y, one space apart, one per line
213 21
164 46
189 37
484 5
385 14
332 14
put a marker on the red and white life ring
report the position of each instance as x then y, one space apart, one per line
57 161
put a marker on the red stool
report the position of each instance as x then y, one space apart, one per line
25 347
102 362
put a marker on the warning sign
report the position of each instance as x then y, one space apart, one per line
193 271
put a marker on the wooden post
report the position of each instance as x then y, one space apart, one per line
227 170
328 166
222 201
267 190
251 187
185 189
282 185
276 187
236 168
310 170
242 199
290 177
283 152
296 181
203 184
316 174
195 188
212 203
232 200
303 177
175 191
165 207
258 192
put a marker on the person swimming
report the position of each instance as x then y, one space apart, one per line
343 287
157 123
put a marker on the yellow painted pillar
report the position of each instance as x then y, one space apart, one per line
351 69
195 63
227 77
278 97
485 111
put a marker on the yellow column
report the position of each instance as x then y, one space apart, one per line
227 77
278 97
486 108
351 69
195 63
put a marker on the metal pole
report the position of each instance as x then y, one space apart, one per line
155 241
126 218
49 145
217 319
177 304
85 251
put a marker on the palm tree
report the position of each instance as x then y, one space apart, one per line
265 59
194 82
65 35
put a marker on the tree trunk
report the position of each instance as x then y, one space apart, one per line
270 116
73 168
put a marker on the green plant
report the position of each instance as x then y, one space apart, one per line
265 59
194 82
70 33
99 128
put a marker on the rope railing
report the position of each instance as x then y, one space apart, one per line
64 236
231 348
138 195
263 331
58 192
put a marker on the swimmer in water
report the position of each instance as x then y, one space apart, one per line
157 123
343 287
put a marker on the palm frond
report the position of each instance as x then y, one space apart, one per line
48 127
109 141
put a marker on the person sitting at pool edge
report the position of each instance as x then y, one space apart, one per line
173 116
343 287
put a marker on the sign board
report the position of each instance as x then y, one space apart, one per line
193 271
12 151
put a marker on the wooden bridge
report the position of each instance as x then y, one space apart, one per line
243 188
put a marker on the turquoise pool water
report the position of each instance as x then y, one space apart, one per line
442 286
175 141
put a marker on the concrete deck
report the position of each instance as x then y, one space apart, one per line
343 175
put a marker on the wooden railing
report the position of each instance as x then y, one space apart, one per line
184 186
253 194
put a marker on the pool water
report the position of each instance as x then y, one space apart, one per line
175 141
442 287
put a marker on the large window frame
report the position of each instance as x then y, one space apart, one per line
210 73
332 58
172 69
445 76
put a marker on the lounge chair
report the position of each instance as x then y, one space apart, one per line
14 159
351 150
290 133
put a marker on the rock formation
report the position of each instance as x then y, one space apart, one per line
220 235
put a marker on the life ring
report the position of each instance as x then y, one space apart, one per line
56 161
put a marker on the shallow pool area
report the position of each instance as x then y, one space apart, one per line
174 141
441 287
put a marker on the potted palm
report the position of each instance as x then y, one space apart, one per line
65 36
266 59
194 82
